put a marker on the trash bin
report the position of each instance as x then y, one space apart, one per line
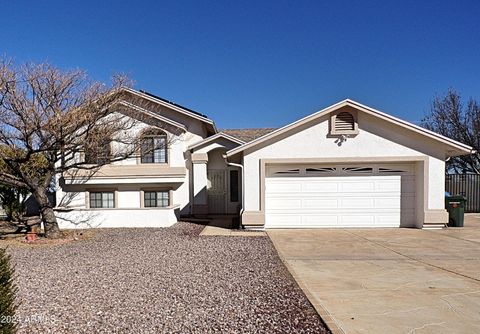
455 206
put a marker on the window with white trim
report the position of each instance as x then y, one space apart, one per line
156 199
102 199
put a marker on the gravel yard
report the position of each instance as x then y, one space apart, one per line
159 281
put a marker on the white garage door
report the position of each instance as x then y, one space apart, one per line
339 196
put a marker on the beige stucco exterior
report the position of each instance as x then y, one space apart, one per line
195 149
129 178
377 141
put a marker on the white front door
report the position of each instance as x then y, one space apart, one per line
356 196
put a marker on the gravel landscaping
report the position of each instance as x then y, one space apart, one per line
159 281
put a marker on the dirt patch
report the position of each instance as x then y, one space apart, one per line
67 236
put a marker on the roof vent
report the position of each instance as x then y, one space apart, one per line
344 123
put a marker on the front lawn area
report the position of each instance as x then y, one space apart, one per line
159 281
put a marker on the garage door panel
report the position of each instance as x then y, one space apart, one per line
320 187
385 220
357 202
285 220
388 186
315 203
387 202
362 186
280 203
285 186
313 219
335 201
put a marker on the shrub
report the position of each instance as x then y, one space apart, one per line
8 291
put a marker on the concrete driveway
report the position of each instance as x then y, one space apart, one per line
389 280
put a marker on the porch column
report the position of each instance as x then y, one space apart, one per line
200 198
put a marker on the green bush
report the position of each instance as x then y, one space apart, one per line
8 290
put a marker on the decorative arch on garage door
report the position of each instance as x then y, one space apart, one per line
340 195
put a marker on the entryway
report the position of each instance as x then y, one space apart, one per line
223 191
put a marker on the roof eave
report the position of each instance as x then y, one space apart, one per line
459 147
173 107
212 138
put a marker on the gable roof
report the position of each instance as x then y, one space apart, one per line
173 106
457 146
247 135
152 114
215 136
172 103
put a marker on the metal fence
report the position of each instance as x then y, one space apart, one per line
467 185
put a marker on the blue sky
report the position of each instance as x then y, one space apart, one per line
260 63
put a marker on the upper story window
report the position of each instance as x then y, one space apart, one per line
98 151
154 147
344 123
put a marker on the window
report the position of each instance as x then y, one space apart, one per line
360 170
98 152
154 147
289 171
104 199
156 199
234 186
390 170
320 170
344 123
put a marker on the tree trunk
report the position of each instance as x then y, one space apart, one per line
52 231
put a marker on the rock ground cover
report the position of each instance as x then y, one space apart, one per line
159 281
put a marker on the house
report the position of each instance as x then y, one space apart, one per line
347 165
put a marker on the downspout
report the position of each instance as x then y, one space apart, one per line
243 185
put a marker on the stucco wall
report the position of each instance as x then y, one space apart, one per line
376 139
178 156
116 218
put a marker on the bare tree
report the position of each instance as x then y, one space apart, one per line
55 122
449 117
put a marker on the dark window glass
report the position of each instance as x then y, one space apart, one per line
234 186
102 199
154 149
156 199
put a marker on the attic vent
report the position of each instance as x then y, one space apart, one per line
344 122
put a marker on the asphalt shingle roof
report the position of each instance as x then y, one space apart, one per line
247 135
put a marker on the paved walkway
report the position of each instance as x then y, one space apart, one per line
226 232
389 280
